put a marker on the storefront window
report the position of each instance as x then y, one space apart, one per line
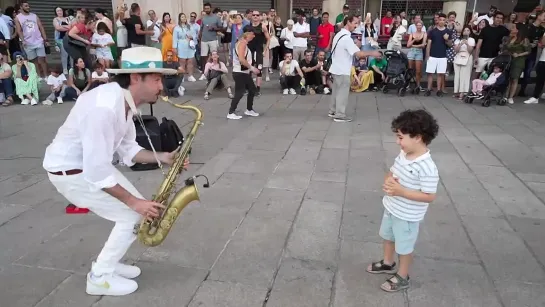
426 9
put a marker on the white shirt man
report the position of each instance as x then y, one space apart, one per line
342 56
290 75
300 43
79 164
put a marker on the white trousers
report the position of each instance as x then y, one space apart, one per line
462 76
77 191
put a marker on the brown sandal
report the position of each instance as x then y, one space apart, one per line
8 102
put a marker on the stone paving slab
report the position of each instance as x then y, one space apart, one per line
293 211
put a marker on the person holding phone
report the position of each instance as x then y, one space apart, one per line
26 80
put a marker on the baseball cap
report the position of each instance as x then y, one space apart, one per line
346 7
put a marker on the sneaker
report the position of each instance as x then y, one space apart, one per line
65 72
251 113
326 90
342 119
47 102
206 96
331 114
125 270
25 101
202 78
59 100
267 79
33 102
231 96
285 91
110 284
233 116
510 101
543 96
191 79
531 101
292 91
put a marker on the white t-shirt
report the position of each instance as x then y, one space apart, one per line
104 75
300 28
103 39
56 81
156 30
342 57
470 42
292 66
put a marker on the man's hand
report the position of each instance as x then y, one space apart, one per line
392 187
374 54
146 208
445 36
168 157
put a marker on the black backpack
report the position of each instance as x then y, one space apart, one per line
171 135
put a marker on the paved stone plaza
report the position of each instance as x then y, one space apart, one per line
292 215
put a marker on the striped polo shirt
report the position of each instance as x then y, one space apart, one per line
420 174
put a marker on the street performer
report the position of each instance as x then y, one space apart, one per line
79 162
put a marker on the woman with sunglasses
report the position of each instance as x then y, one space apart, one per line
26 80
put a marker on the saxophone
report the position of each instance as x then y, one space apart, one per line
154 232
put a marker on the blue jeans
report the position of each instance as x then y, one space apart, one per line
6 87
529 66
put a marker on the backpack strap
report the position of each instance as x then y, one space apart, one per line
335 47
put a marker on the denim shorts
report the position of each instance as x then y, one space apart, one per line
403 233
415 54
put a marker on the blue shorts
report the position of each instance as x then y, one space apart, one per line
415 54
403 233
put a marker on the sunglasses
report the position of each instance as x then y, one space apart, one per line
193 16
256 15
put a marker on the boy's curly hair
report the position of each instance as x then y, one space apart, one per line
416 123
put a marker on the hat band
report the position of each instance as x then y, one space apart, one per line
146 64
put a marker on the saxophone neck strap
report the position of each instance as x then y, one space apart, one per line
136 112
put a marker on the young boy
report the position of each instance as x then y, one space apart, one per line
439 40
410 186
57 85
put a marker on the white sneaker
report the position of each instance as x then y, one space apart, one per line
59 100
251 113
292 92
25 101
285 91
202 78
110 284
191 79
543 96
531 101
326 91
267 79
33 102
510 101
233 116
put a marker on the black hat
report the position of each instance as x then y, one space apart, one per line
346 7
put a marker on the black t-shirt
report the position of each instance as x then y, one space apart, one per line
259 39
535 34
439 46
132 37
171 65
310 64
278 30
492 38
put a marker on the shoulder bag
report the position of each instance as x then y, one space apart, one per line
329 59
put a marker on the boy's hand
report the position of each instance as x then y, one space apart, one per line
392 187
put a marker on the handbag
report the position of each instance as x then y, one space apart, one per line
329 59
273 42
461 58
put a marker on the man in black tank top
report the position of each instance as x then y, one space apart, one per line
258 44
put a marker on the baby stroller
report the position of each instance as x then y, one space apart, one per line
495 92
398 73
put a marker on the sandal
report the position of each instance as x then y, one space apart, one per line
380 268
8 102
395 283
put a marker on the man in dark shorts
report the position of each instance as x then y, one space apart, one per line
258 44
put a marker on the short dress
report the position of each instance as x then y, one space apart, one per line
518 63
181 43
450 51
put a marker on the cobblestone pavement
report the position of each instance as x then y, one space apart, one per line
292 215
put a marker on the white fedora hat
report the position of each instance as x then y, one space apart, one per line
140 60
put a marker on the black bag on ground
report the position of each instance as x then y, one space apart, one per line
171 135
152 126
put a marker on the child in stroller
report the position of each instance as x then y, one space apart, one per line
398 73
493 91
